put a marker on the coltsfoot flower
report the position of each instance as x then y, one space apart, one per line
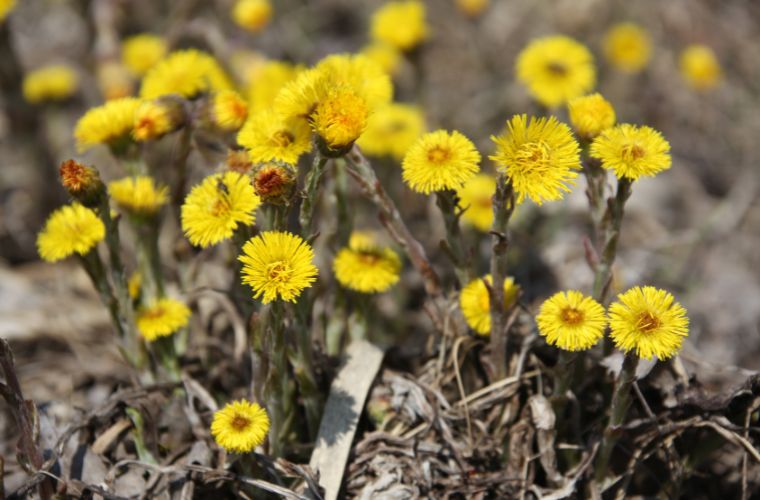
141 52
109 124
139 195
186 73
115 80
50 83
228 110
214 208
253 15
386 56
82 183
365 266
275 183
540 157
555 69
392 130
154 119
240 426
476 303
400 24
267 80
439 161
70 229
162 318
268 137
277 265
571 321
699 67
590 115
476 199
648 321
628 47
632 151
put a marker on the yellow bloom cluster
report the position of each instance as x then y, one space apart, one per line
440 160
572 321
366 267
590 115
162 318
392 130
400 24
628 47
476 303
50 83
139 195
106 124
240 426
70 229
186 73
141 52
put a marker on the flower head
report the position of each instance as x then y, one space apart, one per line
648 321
628 47
50 83
632 151
275 183
214 208
134 285
571 321
228 110
699 67
366 267
400 24
154 119
253 15
268 136
277 265
555 69
266 81
476 303
141 52
440 160
186 73
590 115
162 318
340 117
476 201
110 123
82 182
139 195
392 130
540 157
70 229
240 426
6 6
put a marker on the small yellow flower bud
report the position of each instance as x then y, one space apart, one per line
82 183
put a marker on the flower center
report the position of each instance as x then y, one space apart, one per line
282 138
270 181
239 422
221 207
632 152
571 316
438 154
154 313
368 258
532 154
341 118
279 271
556 68
648 322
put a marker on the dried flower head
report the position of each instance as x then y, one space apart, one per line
590 115
81 182
50 83
700 67
161 318
275 183
186 73
109 124
365 266
400 24
267 136
440 160
628 47
476 201
141 52
240 426
571 321
239 161
632 151
70 229
475 302
253 15
392 130
139 195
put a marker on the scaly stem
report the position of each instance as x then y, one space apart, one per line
613 219
306 217
503 206
277 390
448 202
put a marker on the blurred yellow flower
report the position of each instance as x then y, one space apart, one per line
162 318
267 136
571 321
648 321
214 208
134 285
154 119
253 15
476 303
340 117
590 115
229 110
138 195
400 24
106 124
700 68
50 83
240 426
70 229
6 6
440 160
384 55
476 199
555 69
267 80
392 130
539 156
632 151
365 266
472 8
628 47
186 73
114 80
141 52
277 265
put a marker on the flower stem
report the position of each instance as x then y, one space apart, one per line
306 217
448 202
503 206
277 391
611 224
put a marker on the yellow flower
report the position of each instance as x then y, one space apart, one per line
340 117
215 207
70 229
571 321
139 195
162 318
154 119
267 136
114 80
141 52
472 8
440 160
400 24
699 67
384 55
555 69
476 199
266 82
229 110
476 303
632 151
648 321
627 46
240 426
277 265
365 266
590 115
134 285
185 72
6 6
106 124
50 83
253 15
392 130
539 156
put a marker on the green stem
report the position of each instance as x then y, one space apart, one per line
150 260
503 206
613 223
306 217
277 391
96 271
448 203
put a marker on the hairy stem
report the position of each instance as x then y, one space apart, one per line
503 206
448 202
313 178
